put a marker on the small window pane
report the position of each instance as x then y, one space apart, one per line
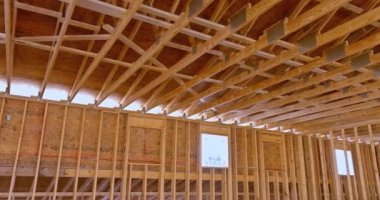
341 162
214 151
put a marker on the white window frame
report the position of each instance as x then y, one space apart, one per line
341 162
225 151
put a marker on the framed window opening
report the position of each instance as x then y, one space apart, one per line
344 167
214 150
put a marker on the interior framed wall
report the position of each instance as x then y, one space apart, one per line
59 151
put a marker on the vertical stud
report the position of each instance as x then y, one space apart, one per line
256 166
314 189
199 165
300 170
80 148
114 157
174 162
163 163
13 178
56 179
98 144
35 178
246 173
374 163
362 182
187 162
326 193
349 184
337 184
125 162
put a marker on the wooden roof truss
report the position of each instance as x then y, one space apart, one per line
316 66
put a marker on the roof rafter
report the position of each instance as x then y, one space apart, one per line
299 73
344 68
106 60
56 14
343 121
199 35
90 46
250 14
290 27
372 101
166 37
123 22
139 50
321 39
129 43
300 6
319 104
52 59
8 42
337 86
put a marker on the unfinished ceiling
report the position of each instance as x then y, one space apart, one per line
289 65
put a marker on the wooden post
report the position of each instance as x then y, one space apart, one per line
174 163
317 166
163 163
14 168
276 184
374 163
125 162
246 172
301 155
80 148
354 182
349 184
314 189
338 186
285 179
35 179
95 182
255 147
60 153
234 166
368 171
129 181
229 170
377 148
326 193
114 158
145 182
267 184
262 173
212 184
199 164
293 192
2 110
360 166
224 185
187 162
